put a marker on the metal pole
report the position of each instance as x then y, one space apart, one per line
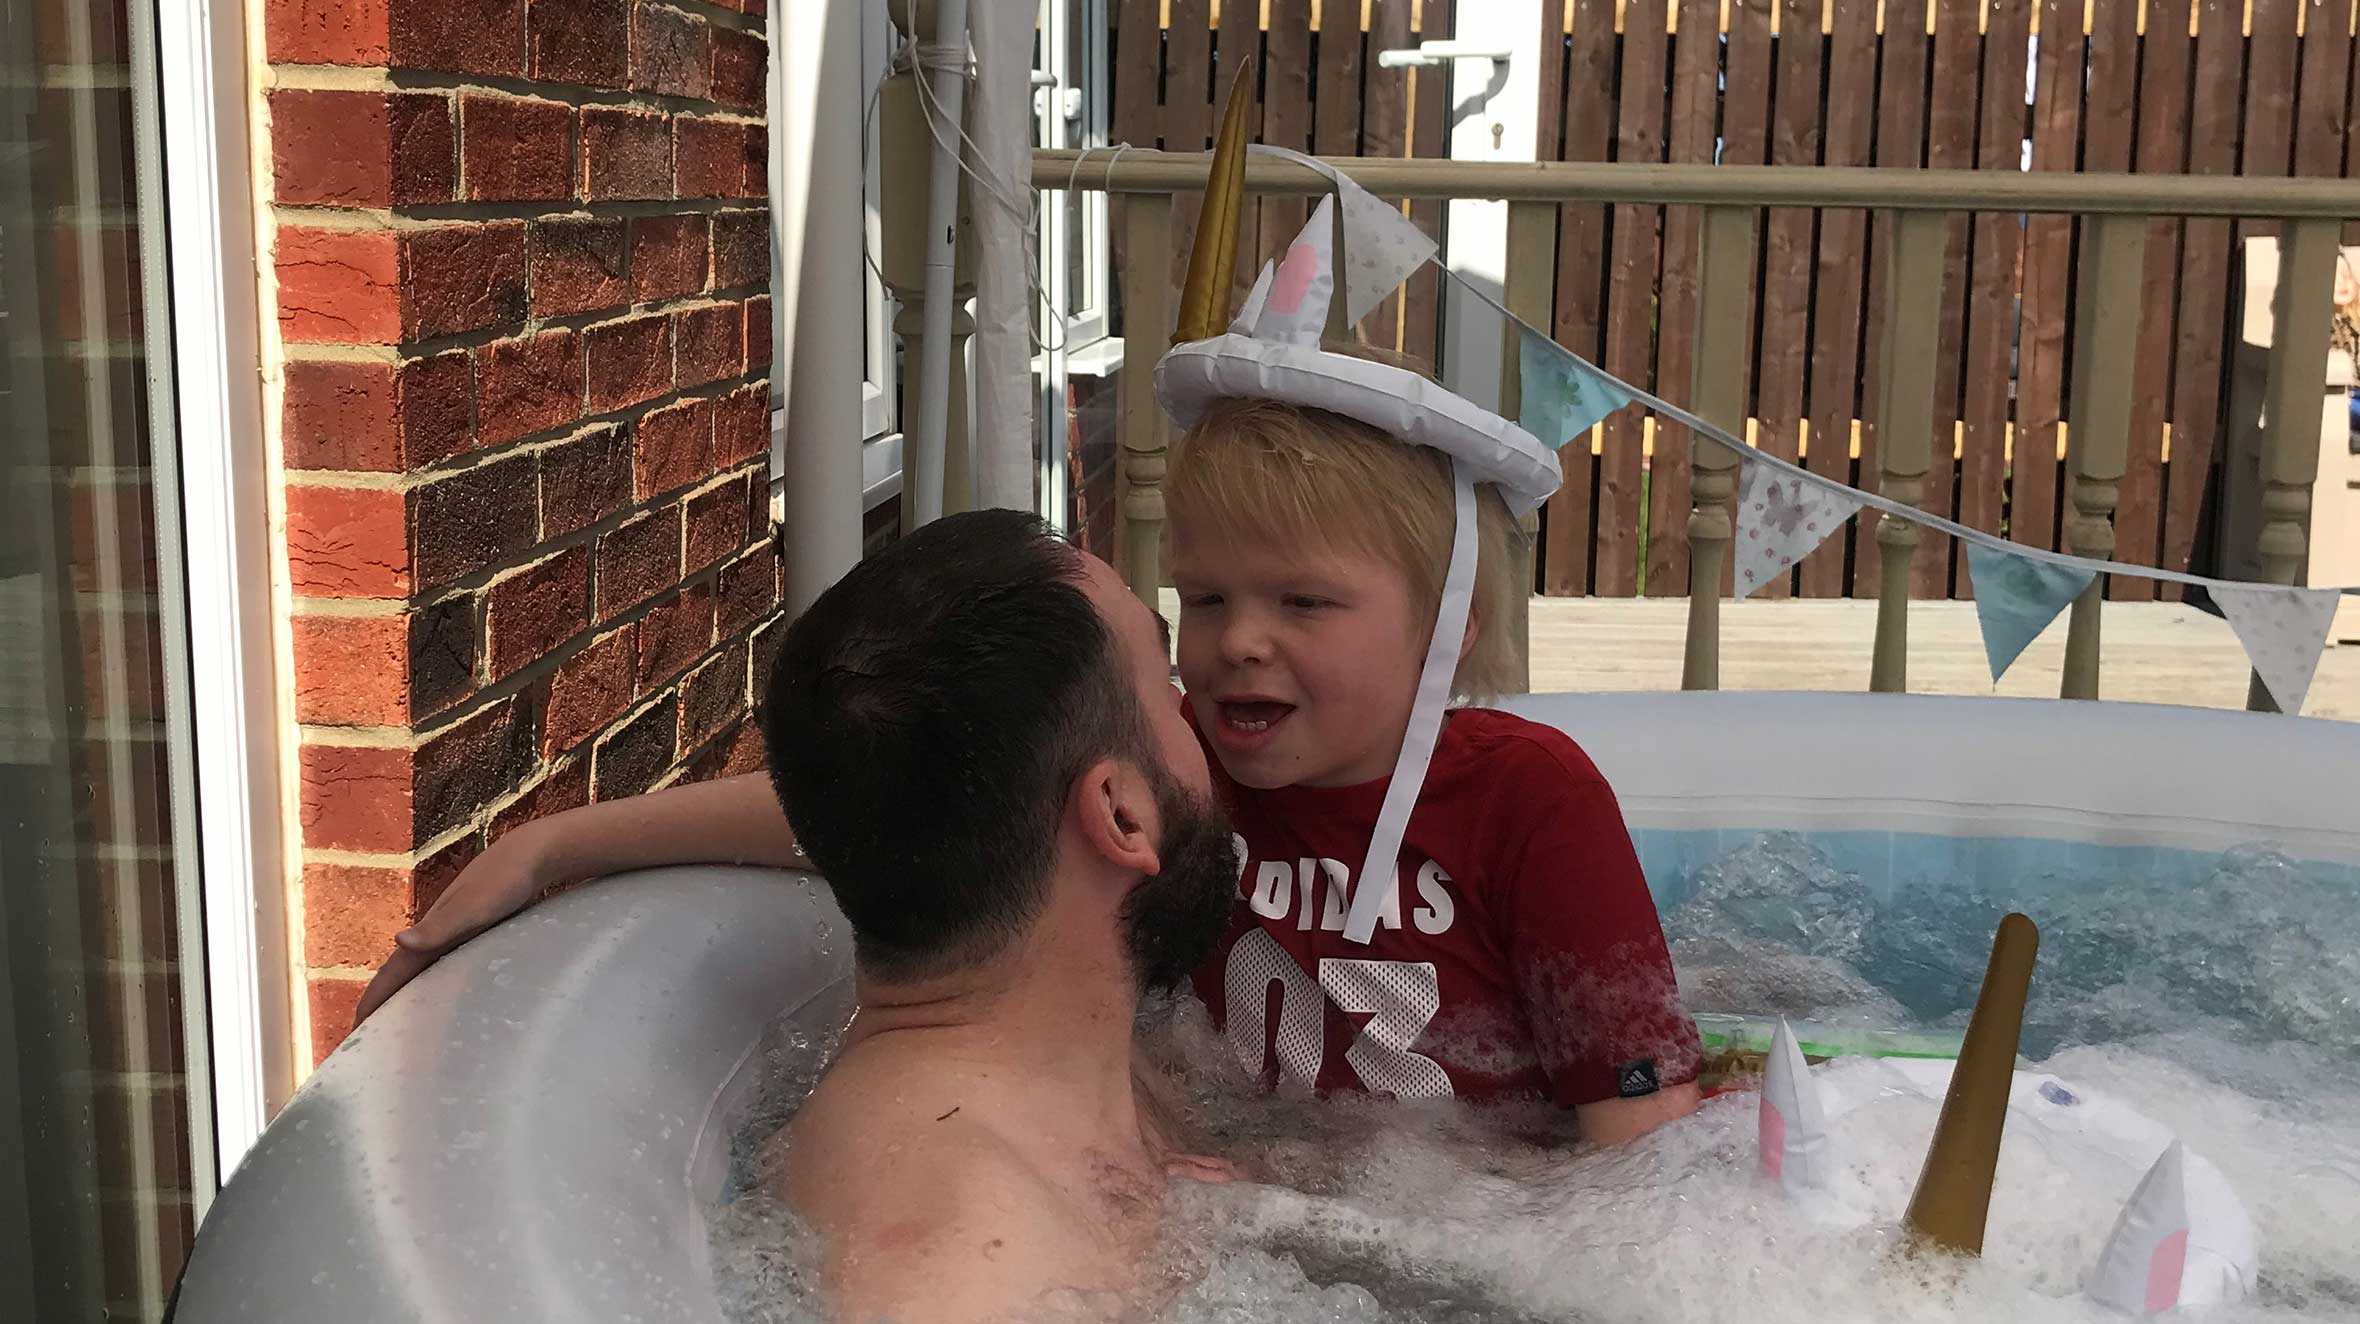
924 493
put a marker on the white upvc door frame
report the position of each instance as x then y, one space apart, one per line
212 446
1501 122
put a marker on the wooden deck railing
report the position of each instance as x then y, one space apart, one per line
2115 209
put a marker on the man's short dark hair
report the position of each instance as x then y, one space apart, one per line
924 721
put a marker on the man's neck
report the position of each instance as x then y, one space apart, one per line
1040 1020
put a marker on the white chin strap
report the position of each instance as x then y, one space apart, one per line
1378 873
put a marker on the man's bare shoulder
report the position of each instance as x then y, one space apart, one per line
931 1216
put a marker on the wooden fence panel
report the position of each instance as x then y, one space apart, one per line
2254 87
1795 120
2204 278
1286 113
1631 298
1994 284
1900 143
1836 371
2048 277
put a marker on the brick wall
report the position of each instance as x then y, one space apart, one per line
522 259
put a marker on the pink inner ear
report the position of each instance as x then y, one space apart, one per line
1294 278
2164 1268
1773 1130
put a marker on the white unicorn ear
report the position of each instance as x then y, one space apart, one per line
2183 1239
1294 309
1796 1151
1251 312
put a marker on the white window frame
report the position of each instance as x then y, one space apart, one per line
1078 341
211 445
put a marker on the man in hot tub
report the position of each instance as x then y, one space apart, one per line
976 738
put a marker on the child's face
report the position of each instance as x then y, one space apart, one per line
1301 661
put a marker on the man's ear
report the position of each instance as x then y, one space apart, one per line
1114 810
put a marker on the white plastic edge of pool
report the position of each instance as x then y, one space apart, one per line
533 1129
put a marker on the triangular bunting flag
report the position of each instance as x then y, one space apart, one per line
1563 397
1780 518
2016 597
2283 630
1381 246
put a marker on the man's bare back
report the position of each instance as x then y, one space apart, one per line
954 1190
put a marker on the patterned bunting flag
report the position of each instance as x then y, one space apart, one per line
2016 597
1563 397
1780 518
1381 246
2283 630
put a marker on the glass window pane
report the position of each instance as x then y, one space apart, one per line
96 1205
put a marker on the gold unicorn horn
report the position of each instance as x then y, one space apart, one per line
1953 1197
1204 300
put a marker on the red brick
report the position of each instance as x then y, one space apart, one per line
584 479
710 343
458 36
670 447
710 761
741 248
350 913
630 360
352 670
566 786
716 524
580 41
671 52
741 425
471 763
428 877
435 396
463 278
577 266
339 285
668 257
713 696
746 753
337 415
676 632
355 797
442 654
334 1004
635 754
512 149
589 691
746 590
326 31
759 523
530 613
626 154
754 160
759 346
474 519
347 542
361 149
637 561
738 64
528 384
708 157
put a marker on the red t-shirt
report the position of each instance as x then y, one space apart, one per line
1521 955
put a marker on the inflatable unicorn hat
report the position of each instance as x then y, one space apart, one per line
1272 351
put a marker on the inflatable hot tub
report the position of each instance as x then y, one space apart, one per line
535 1128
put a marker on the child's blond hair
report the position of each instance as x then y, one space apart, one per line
1256 468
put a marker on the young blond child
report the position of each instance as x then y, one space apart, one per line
1518 952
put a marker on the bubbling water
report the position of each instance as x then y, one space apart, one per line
2227 1015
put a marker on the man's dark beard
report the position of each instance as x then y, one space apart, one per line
1172 920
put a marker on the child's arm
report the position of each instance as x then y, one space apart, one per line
736 820
1594 973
